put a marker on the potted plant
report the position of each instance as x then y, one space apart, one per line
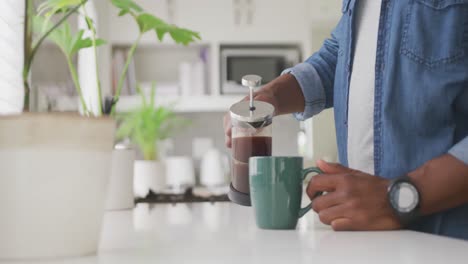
55 167
148 173
147 126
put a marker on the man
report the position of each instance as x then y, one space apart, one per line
396 73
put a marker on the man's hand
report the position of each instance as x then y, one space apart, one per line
264 95
284 93
353 201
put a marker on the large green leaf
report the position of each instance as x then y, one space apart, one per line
79 43
127 7
148 22
183 36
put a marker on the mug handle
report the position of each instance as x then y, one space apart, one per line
306 172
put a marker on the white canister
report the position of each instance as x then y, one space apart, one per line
185 78
180 173
120 193
213 169
198 78
148 175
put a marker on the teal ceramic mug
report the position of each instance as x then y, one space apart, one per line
276 190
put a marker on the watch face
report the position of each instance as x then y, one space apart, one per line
404 197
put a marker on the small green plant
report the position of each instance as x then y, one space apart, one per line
149 124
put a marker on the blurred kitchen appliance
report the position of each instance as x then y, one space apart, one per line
251 136
266 61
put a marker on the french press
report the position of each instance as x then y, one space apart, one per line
251 136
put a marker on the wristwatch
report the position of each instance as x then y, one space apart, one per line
405 199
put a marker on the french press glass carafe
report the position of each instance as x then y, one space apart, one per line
251 136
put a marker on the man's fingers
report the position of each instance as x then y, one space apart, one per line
330 214
262 97
326 201
228 142
343 224
227 130
322 183
332 168
227 124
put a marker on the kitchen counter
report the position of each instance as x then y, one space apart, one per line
226 233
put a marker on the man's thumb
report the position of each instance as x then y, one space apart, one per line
332 168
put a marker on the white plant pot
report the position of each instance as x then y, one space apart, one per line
53 183
120 193
149 175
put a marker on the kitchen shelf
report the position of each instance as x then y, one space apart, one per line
192 104
204 103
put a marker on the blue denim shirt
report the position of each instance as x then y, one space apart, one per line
421 90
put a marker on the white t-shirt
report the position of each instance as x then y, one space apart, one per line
362 86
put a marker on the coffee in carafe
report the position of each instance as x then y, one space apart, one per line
251 137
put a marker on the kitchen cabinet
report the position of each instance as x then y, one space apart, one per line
244 21
221 21
234 21
212 18
279 19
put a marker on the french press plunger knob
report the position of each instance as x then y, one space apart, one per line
252 81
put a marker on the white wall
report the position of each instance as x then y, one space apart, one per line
325 14
11 56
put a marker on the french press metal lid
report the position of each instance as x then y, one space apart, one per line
255 114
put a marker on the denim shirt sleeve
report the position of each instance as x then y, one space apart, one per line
460 150
316 77
312 88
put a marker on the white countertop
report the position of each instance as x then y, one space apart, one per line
226 233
